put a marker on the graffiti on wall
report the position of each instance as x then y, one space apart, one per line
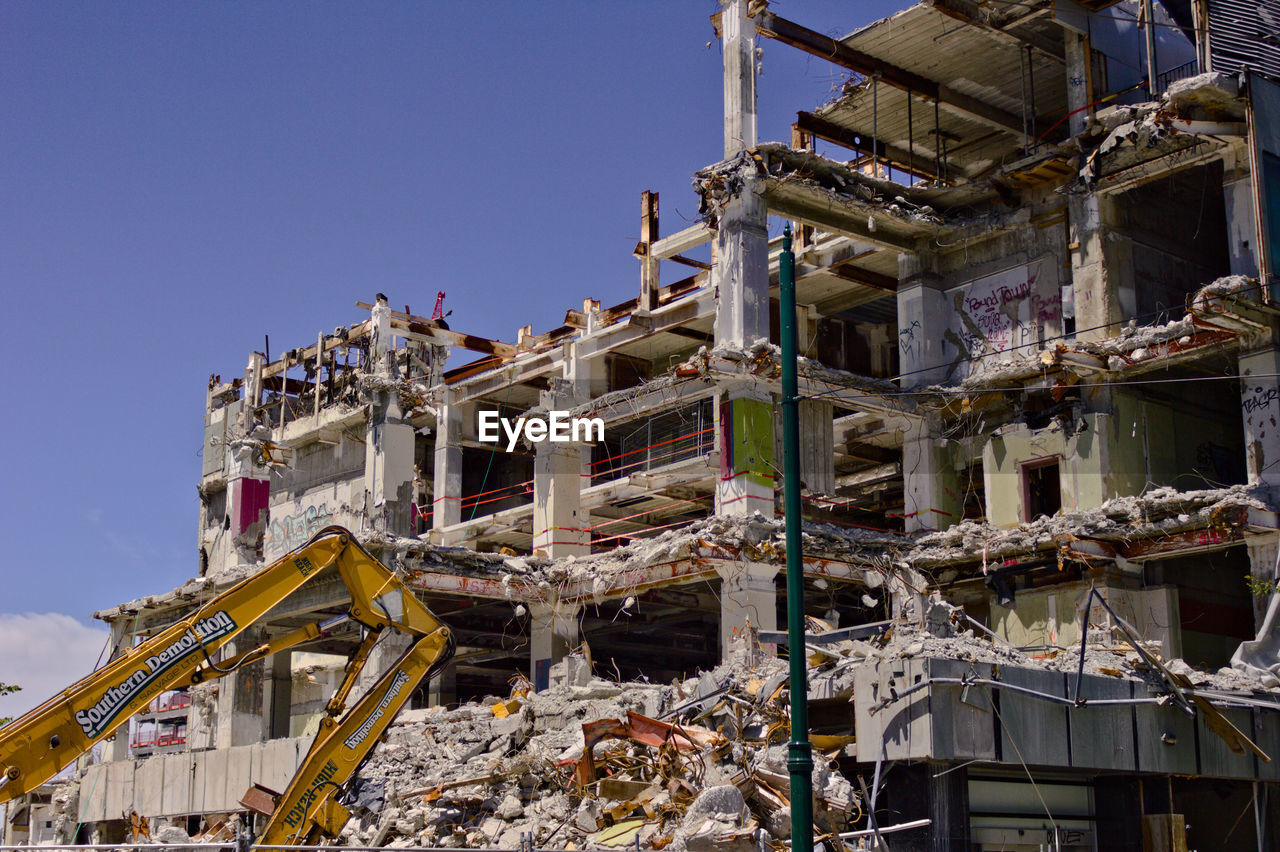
285 533
1011 309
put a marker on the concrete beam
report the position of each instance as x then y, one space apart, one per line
815 206
681 241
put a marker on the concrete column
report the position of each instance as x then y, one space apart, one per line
585 375
1078 95
388 460
744 436
559 524
118 747
446 498
241 712
388 465
932 496
1262 566
748 595
740 272
234 539
1102 287
248 491
927 349
586 379
442 691
738 40
1242 227
278 698
553 633
1260 406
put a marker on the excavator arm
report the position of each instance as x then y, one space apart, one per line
310 807
34 747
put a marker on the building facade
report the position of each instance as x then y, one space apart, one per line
1040 357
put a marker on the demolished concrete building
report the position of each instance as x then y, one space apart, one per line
1040 381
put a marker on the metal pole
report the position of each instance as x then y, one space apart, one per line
911 140
1150 15
1084 638
799 753
875 128
1031 87
937 143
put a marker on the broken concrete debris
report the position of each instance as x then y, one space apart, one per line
694 765
698 765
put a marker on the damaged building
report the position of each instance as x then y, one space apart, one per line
1040 381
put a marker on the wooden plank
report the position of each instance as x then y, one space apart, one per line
688 261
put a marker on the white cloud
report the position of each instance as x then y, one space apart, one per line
44 653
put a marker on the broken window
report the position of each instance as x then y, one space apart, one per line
663 439
1041 494
975 492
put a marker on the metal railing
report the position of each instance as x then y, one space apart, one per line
1183 71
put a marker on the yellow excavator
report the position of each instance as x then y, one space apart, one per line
34 747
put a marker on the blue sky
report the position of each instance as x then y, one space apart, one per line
180 180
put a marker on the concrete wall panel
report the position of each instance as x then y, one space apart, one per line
1216 758
1032 728
1166 739
148 787
1102 736
177 784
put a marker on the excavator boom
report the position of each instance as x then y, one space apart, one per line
309 807
34 747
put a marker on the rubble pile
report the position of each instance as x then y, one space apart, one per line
697 765
595 764
1158 511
